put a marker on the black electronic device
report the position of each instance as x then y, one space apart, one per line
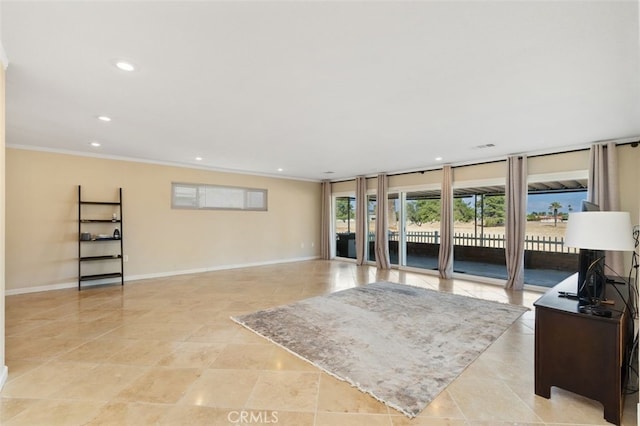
591 278
595 310
568 295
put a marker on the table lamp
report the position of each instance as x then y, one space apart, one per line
595 232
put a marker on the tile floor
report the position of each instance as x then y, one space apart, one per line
164 351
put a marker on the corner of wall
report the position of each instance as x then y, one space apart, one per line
3 57
5 62
4 375
5 370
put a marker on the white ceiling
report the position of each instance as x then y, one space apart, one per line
310 87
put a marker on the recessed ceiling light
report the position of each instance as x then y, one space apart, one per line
280 169
198 158
125 66
95 144
104 118
438 158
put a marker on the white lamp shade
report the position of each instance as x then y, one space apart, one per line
600 231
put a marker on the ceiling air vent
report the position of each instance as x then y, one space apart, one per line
486 145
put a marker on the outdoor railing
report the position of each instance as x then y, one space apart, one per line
531 242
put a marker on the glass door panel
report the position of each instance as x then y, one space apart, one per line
394 227
345 226
422 229
371 227
548 260
393 221
479 232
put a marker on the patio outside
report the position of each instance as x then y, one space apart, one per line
478 242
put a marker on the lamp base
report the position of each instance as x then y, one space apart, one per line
591 287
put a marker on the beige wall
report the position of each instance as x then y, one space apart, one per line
629 173
558 163
429 178
4 370
480 172
345 186
42 215
568 162
629 179
496 170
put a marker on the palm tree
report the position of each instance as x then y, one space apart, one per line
554 207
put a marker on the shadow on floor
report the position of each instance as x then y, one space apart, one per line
538 277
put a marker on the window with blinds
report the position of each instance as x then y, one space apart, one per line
216 197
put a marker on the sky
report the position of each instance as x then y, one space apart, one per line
541 202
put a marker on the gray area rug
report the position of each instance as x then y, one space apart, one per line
403 345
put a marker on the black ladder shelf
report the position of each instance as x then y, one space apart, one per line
109 252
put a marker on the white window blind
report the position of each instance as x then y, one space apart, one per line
216 197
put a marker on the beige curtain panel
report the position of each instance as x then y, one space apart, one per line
445 255
382 236
603 177
603 190
361 218
516 220
325 221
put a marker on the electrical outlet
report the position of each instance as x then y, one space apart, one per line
313 244
125 258
301 245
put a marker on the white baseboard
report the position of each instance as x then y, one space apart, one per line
132 278
4 376
50 287
219 268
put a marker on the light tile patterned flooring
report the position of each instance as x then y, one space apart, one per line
164 351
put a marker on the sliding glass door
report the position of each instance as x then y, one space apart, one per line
345 226
396 237
422 229
547 259
371 227
479 228
393 225
413 220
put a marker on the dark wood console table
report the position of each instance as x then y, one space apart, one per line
581 352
